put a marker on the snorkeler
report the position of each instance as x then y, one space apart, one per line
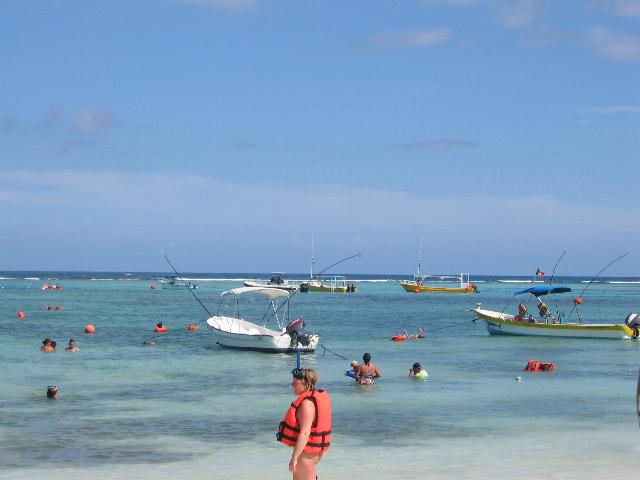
417 371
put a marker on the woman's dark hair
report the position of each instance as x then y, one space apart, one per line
417 366
366 357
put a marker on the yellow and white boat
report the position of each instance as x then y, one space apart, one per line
335 284
548 325
439 284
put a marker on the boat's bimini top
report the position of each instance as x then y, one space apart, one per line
543 290
266 291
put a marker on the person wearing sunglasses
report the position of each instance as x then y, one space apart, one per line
307 424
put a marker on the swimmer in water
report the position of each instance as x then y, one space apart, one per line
46 346
418 372
72 346
52 392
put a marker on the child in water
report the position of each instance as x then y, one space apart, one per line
418 372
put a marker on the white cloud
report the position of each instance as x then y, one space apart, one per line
613 109
519 14
415 38
119 216
614 45
94 120
437 144
233 5
627 8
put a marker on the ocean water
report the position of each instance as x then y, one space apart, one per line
189 409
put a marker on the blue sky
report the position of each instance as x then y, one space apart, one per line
227 132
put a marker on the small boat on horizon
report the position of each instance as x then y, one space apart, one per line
545 324
436 283
52 286
231 331
334 284
172 281
276 281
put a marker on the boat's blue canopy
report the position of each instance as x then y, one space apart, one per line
543 290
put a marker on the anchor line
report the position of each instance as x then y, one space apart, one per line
331 351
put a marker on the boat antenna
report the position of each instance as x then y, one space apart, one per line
420 257
313 260
555 299
190 289
594 278
337 263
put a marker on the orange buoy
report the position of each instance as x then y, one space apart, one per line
398 338
89 329
21 314
160 329
577 300
192 327
416 290
153 286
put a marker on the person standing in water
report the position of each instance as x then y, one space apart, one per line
307 425
417 371
367 372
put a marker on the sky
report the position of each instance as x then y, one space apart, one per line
227 133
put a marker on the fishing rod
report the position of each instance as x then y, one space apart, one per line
337 263
190 289
593 279
555 299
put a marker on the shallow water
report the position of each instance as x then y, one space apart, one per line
190 409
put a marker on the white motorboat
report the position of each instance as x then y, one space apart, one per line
172 281
234 332
276 281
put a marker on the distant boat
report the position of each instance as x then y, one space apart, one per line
438 283
545 324
334 284
235 332
52 286
172 281
276 281
331 284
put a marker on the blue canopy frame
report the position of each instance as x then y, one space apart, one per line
543 290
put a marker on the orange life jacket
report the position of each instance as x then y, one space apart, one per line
320 437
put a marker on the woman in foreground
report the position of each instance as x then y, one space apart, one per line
306 425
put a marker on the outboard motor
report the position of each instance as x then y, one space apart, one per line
296 331
633 322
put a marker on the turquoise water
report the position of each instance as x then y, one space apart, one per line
190 409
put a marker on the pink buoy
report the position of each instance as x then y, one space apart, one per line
57 307
89 329
21 314
49 307
153 286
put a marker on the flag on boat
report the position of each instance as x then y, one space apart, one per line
539 273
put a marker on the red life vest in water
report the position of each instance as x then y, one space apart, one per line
320 437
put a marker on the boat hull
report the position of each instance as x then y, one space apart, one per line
505 324
413 287
326 289
284 286
242 335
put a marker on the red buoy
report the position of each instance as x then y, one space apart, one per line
416 290
49 307
89 329
21 314
192 327
577 300
153 286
